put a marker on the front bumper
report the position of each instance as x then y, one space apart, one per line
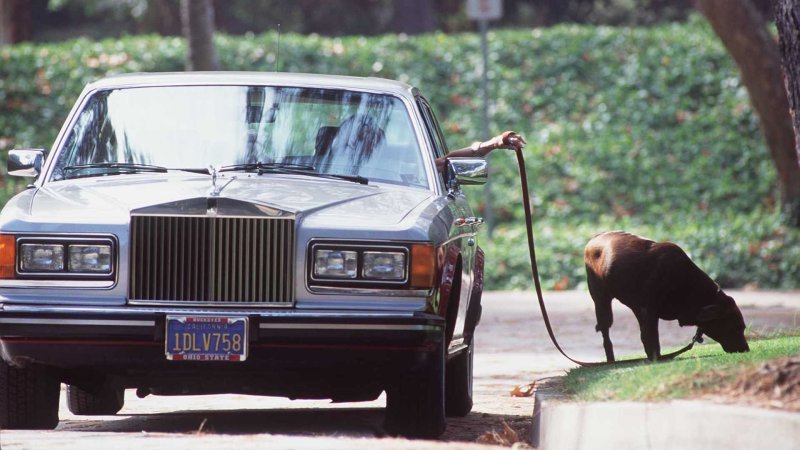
128 340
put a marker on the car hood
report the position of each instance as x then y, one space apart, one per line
117 197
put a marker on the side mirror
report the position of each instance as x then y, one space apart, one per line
466 172
25 163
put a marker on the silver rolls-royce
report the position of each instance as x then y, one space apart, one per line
270 234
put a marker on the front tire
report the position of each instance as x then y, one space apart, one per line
28 398
415 404
458 383
105 402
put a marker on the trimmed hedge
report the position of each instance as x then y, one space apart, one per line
646 129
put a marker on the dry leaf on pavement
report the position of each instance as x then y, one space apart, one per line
524 390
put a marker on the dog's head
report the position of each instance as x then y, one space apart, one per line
723 322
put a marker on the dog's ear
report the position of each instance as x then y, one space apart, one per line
709 313
726 300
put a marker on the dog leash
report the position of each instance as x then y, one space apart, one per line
698 337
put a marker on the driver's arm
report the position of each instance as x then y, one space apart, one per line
509 139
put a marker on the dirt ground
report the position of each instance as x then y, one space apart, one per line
512 349
774 385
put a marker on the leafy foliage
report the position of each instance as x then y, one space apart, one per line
648 130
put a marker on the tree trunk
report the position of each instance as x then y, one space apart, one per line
15 21
167 17
787 17
413 16
5 22
198 29
743 31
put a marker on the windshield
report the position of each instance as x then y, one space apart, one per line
193 127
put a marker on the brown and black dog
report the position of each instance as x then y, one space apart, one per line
657 280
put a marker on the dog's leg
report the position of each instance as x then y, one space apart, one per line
602 309
607 345
648 327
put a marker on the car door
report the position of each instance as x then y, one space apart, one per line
463 230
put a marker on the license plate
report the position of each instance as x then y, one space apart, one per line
206 338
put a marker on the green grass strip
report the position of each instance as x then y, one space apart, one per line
703 369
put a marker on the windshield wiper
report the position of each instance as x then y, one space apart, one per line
117 165
120 168
247 167
340 176
109 167
294 169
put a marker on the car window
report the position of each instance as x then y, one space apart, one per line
440 147
324 130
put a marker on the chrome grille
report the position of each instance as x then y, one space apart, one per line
220 260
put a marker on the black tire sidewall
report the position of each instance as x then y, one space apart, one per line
28 397
105 402
458 383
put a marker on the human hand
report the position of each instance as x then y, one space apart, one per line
510 140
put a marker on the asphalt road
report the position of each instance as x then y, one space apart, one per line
512 349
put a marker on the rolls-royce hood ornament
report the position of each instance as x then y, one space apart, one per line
215 190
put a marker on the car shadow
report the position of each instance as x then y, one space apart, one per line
350 422
311 421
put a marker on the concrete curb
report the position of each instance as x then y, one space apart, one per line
680 424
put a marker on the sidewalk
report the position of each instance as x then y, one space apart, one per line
655 426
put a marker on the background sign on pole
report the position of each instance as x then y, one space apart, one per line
484 9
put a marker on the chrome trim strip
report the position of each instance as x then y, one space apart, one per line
368 291
456 346
225 305
99 322
455 237
66 284
178 310
335 326
290 216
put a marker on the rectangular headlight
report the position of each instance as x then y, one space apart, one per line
335 263
60 257
384 265
90 258
42 258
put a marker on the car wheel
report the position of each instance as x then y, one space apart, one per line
28 398
105 402
415 404
458 383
